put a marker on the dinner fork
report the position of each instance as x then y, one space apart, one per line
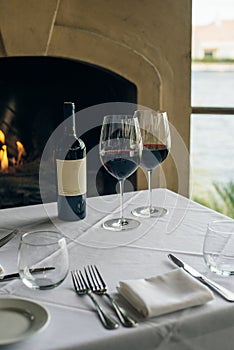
98 286
8 237
82 288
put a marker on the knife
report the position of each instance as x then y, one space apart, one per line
8 237
225 293
12 276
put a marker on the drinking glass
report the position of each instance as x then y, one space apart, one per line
218 247
120 151
46 250
156 141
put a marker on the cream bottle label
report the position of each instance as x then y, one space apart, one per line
71 176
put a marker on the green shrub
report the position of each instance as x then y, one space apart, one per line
220 199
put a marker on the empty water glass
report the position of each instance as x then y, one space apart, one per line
43 259
218 248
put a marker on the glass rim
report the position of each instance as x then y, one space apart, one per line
58 237
224 221
118 116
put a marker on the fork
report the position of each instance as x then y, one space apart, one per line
82 288
8 237
98 286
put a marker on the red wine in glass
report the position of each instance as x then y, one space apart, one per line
156 140
120 151
120 168
153 155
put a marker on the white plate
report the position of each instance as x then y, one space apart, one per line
20 319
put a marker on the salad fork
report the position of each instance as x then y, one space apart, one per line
82 288
98 286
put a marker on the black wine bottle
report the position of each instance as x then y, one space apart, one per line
71 170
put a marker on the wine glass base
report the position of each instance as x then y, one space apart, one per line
146 212
120 225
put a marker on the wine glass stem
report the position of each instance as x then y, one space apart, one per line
150 189
121 186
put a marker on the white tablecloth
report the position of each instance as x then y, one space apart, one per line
122 255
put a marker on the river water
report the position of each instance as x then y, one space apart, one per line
212 136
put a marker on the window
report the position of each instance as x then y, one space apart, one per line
212 120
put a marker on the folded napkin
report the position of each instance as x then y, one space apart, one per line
165 293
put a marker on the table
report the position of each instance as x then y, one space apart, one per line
122 255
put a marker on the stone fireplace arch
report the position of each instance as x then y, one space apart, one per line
112 55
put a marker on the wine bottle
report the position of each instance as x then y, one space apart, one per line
71 170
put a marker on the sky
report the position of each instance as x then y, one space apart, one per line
208 11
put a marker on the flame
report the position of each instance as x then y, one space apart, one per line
21 151
4 161
3 153
4 158
2 137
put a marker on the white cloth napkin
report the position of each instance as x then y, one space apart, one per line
165 293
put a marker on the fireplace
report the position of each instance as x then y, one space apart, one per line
32 91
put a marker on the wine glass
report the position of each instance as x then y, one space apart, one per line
156 141
43 261
120 150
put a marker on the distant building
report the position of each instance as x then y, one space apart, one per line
214 40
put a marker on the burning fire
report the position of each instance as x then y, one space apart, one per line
21 151
2 137
4 160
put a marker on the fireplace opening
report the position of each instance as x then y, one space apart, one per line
32 92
